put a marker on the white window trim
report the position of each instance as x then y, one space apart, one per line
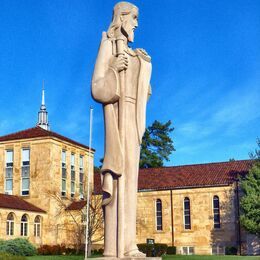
183 214
10 192
64 152
23 228
212 201
81 171
188 250
9 223
37 227
22 178
156 216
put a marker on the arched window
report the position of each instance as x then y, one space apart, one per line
24 226
37 226
158 214
10 225
216 212
186 213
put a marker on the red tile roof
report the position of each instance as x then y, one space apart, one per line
77 205
15 202
38 132
187 176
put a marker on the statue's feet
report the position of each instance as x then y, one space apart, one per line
135 253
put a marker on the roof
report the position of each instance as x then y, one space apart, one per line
187 176
15 202
77 205
38 132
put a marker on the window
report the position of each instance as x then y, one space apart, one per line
186 213
188 250
25 171
72 175
10 225
81 175
216 212
158 214
24 226
218 250
64 174
37 226
9 171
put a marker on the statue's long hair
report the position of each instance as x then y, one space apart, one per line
121 8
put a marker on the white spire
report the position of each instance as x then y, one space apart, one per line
43 114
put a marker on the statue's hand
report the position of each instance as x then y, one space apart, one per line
119 63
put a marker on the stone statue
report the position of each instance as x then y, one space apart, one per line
121 82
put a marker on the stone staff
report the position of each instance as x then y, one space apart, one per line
121 180
121 82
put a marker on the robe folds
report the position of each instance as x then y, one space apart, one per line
106 90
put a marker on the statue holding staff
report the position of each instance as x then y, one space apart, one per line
121 82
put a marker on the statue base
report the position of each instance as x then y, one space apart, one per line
128 258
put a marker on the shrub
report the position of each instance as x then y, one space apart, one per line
153 250
230 250
101 251
18 246
6 256
51 250
56 250
171 250
97 251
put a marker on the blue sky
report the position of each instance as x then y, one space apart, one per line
206 70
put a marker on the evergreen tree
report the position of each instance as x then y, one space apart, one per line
157 145
250 202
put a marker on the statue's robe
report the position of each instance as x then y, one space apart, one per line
106 90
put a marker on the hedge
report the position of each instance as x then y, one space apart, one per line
153 250
18 247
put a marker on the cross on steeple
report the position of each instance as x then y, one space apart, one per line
43 114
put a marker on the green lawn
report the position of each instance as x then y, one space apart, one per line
55 257
174 257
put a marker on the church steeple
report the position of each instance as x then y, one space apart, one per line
43 114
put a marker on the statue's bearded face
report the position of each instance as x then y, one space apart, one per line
129 24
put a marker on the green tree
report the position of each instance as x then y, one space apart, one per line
157 145
250 201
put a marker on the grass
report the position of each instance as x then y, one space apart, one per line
168 257
55 257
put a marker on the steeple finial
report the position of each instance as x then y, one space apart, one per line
43 97
43 114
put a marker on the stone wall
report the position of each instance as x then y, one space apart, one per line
202 235
45 182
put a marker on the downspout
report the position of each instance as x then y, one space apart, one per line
238 218
172 218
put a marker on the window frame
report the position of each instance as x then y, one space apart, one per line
10 225
81 176
158 215
216 212
9 171
37 227
190 250
24 226
72 175
187 226
25 172
63 173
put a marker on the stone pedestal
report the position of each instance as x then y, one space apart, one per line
128 258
